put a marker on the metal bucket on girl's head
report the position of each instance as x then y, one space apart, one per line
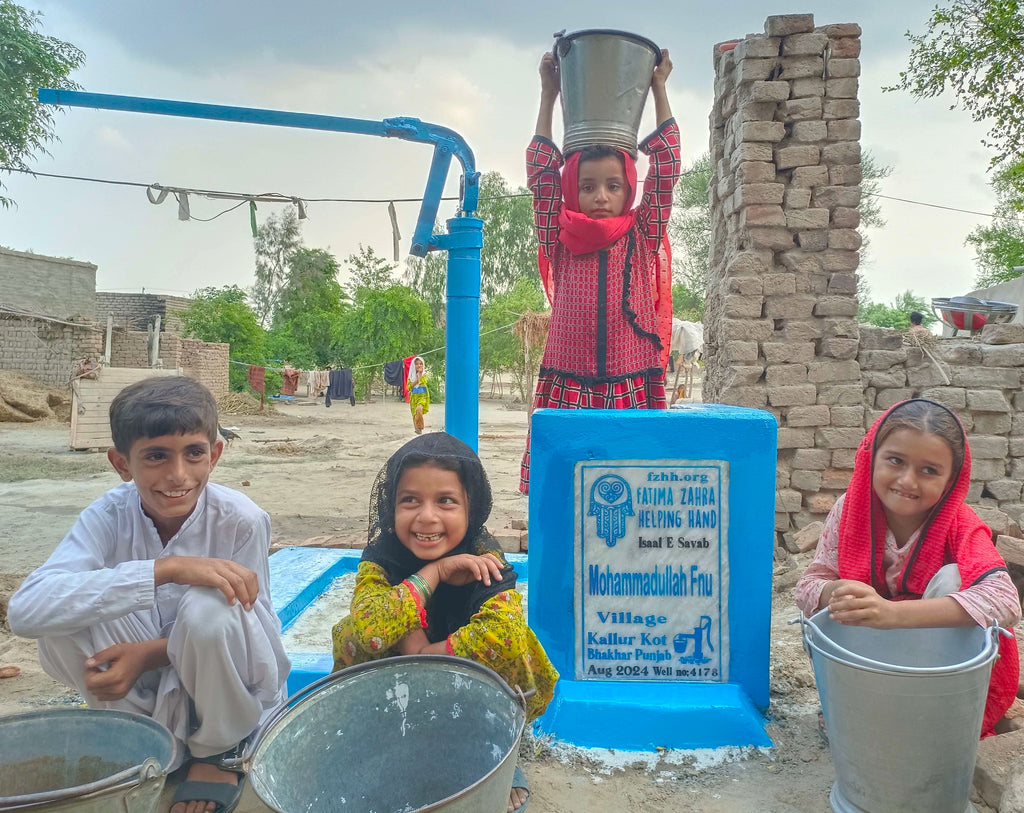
605 76
407 734
903 709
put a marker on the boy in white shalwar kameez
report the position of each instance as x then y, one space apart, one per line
158 599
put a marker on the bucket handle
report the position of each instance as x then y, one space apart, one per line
522 697
561 46
149 769
802 621
810 629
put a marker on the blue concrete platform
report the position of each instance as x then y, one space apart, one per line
299 576
674 716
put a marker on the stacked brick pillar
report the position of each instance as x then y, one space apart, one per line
780 327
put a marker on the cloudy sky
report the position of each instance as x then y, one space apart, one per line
468 66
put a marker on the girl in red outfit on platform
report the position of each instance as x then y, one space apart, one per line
611 311
903 531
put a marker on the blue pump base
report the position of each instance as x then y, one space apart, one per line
645 716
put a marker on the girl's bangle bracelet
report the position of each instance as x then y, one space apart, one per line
421 585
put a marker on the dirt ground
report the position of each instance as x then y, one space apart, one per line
311 469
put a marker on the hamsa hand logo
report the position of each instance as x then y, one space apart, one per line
611 501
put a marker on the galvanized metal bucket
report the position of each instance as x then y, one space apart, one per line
83 760
903 710
411 733
605 76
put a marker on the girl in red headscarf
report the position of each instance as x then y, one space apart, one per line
903 531
611 307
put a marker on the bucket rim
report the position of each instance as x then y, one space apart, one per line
615 32
282 712
306 692
303 695
148 769
857 661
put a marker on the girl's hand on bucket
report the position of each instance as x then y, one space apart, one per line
859 605
550 84
661 70
468 567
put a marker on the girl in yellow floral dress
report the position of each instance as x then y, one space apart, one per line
419 393
433 580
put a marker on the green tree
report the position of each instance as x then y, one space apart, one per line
311 306
975 49
428 276
222 315
872 175
368 271
387 320
999 246
501 350
509 252
385 324
895 315
689 231
276 240
29 60
510 245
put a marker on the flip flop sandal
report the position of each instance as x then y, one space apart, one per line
519 781
224 795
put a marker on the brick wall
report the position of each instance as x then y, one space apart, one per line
205 361
136 311
50 286
780 325
45 350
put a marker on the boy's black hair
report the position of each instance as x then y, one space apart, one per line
595 152
162 405
916 317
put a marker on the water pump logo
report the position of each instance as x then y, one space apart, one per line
611 501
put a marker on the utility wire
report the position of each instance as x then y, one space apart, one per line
277 197
265 197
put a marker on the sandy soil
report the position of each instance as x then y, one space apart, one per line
311 469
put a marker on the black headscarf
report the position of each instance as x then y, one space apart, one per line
450 607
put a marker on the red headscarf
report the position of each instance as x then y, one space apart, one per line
952 533
584 235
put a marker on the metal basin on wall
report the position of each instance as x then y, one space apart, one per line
971 313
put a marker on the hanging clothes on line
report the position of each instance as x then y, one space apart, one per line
321 380
289 381
340 386
257 378
406 364
393 373
303 383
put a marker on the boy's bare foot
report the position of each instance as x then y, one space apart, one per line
520 791
517 798
204 772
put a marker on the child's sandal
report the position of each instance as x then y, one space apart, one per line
224 795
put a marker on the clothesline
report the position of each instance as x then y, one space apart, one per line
371 366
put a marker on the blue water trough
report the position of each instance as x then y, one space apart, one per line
299 576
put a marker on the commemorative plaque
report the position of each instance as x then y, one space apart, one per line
651 570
